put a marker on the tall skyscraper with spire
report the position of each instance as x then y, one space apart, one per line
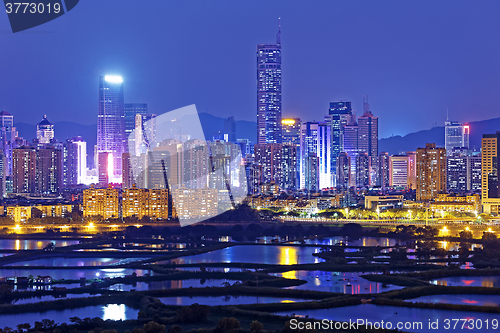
111 125
269 91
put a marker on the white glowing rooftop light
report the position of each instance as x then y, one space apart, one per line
113 79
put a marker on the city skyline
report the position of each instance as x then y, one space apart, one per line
461 83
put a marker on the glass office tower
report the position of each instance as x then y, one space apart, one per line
111 125
269 92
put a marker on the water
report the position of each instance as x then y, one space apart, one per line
258 254
481 300
472 281
49 298
349 241
110 311
32 244
70 274
395 315
337 282
170 284
226 300
54 262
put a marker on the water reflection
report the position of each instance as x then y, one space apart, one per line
32 244
54 262
226 300
337 282
473 281
110 311
481 300
259 254
394 315
114 312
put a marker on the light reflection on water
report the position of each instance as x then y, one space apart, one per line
33 244
258 254
73 273
469 281
54 262
480 300
110 311
226 300
337 282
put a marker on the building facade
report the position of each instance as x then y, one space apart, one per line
111 124
269 92
431 172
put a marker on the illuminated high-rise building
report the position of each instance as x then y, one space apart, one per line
456 135
23 167
130 111
269 92
290 128
75 162
368 138
490 189
339 115
309 156
350 146
37 171
431 172
456 169
8 135
111 124
44 131
383 173
402 170
49 171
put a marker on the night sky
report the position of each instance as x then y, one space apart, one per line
414 59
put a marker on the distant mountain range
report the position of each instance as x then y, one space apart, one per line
248 130
410 142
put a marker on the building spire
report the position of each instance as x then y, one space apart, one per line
278 36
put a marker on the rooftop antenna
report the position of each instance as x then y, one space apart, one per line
447 119
278 36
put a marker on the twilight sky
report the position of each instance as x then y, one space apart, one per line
413 59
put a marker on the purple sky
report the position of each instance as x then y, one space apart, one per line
413 59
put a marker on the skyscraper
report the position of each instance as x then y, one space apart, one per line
309 156
49 171
368 138
110 123
75 161
324 156
230 130
456 135
339 115
490 190
269 92
456 169
291 130
8 135
350 146
431 172
383 179
130 111
23 170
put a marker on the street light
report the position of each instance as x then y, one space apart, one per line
346 213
